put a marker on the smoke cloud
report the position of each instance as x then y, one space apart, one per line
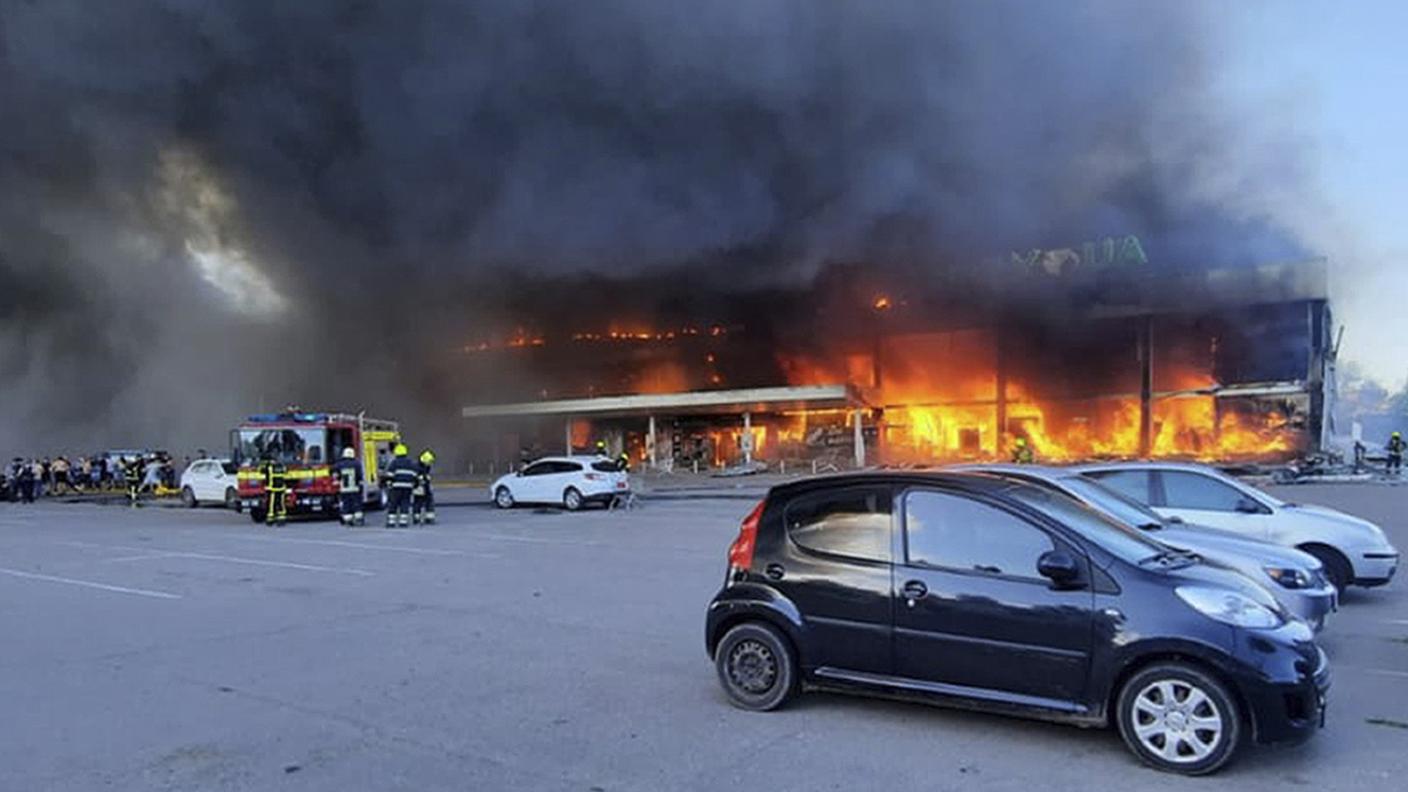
211 208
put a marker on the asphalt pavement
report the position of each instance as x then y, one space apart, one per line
166 649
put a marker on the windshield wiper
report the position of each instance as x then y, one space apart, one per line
1151 526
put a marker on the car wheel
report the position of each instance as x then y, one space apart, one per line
232 499
188 498
1177 718
572 499
256 514
756 667
503 498
1337 568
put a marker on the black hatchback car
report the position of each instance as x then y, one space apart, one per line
984 593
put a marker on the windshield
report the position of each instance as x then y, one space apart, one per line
1115 504
289 446
1125 542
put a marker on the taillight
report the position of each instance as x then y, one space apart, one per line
740 553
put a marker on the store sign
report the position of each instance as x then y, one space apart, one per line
1122 251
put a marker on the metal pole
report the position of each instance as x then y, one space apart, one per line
1146 385
747 438
650 441
1001 364
860 439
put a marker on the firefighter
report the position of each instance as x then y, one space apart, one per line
133 469
601 449
423 497
403 474
1395 453
623 462
1022 451
348 472
275 477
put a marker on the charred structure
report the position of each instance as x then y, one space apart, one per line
1081 358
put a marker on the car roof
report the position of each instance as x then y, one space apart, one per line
585 459
1191 467
971 481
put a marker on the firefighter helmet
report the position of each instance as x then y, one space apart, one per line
348 453
427 456
400 449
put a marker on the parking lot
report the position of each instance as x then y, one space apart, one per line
164 648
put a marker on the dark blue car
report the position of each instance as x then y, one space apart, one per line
984 593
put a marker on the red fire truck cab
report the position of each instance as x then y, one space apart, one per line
308 443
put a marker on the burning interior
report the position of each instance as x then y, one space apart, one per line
874 366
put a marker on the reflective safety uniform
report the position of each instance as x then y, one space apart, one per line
275 477
1395 449
348 474
132 474
1022 453
402 475
422 497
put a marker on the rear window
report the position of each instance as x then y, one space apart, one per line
606 467
850 523
567 467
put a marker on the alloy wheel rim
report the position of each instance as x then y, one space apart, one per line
573 500
752 667
1177 721
505 499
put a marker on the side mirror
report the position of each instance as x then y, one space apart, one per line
1249 506
1059 567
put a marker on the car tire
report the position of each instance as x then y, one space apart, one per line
232 499
756 667
1337 567
572 499
188 498
1178 718
503 498
256 515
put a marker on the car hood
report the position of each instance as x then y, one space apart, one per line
1337 518
1214 544
1212 573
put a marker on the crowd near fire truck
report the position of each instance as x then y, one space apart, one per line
307 444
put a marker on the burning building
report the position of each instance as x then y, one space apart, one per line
1087 352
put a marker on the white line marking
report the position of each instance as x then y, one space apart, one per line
365 546
159 553
1379 671
262 562
146 557
1396 621
90 584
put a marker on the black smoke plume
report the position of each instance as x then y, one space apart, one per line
210 208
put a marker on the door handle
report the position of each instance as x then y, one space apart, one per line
775 571
914 590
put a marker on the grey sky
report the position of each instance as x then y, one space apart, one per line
1337 72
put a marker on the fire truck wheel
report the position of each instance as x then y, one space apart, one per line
572 499
188 498
257 515
232 499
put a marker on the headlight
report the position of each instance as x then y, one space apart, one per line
1228 607
1291 577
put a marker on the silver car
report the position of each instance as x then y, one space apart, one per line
1297 580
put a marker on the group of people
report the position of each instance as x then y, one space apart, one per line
408 494
28 480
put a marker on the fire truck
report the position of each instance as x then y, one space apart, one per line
308 443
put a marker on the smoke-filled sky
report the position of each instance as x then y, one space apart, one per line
209 208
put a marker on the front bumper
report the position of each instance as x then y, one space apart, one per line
1312 606
1375 567
1284 680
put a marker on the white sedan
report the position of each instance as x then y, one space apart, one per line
571 482
1354 551
210 481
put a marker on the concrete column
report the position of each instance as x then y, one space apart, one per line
1145 340
747 438
650 441
568 441
859 418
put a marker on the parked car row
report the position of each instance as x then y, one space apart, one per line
1171 602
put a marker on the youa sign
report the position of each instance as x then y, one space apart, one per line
1122 251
